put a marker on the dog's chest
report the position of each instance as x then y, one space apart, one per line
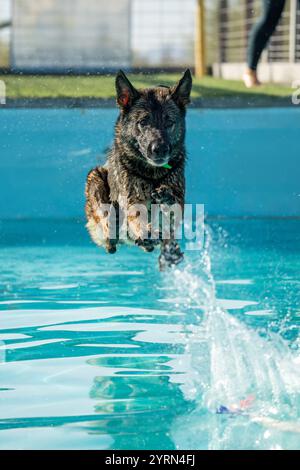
133 191
141 189
126 185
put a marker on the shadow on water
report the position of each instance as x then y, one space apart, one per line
148 404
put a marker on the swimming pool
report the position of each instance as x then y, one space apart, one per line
105 352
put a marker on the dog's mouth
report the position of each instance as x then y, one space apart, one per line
159 155
158 161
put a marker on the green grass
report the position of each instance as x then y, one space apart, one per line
28 86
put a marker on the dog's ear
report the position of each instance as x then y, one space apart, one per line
126 93
182 90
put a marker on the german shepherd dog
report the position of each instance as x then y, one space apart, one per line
145 166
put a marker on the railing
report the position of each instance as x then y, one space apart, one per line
231 23
5 30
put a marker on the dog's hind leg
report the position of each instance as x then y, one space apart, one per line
100 212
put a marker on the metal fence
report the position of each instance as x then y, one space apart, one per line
229 24
100 35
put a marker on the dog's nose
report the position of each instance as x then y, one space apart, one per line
159 148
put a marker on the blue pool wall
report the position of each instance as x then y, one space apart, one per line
240 162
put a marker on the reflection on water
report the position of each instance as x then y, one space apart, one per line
105 352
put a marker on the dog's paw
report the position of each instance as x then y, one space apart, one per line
162 195
146 245
111 246
148 239
171 255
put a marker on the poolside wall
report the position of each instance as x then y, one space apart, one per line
276 72
241 162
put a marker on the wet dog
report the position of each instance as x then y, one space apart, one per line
144 167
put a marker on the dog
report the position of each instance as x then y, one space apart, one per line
145 166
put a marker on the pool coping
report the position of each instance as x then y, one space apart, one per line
202 103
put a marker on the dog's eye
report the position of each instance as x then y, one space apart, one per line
169 122
143 122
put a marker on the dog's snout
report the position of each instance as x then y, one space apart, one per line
155 148
159 148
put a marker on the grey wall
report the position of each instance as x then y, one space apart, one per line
71 33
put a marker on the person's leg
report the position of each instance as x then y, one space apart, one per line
263 30
260 35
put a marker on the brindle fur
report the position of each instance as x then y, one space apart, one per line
149 132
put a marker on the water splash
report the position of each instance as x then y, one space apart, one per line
230 362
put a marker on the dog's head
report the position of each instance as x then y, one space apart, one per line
152 121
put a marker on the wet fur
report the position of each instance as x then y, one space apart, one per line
149 118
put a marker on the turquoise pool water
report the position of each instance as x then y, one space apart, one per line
240 161
105 352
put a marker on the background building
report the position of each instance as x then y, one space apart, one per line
100 36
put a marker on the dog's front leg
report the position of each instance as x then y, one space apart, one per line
170 206
170 254
139 228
